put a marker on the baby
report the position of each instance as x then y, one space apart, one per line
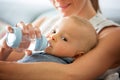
70 38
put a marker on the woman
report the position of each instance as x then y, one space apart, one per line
103 57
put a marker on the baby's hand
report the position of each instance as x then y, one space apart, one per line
28 52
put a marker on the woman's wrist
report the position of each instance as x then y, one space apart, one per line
4 53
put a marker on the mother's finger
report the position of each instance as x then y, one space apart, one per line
9 29
37 32
31 31
22 25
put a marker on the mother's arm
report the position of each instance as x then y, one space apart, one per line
87 67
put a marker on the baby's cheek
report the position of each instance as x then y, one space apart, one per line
62 51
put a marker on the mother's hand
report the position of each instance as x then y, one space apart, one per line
29 29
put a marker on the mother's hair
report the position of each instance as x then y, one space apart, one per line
95 4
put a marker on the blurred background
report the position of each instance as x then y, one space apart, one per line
111 9
14 11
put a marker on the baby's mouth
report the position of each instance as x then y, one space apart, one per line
49 44
63 6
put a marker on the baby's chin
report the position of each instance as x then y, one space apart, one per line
47 51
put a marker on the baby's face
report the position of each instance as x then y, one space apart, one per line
64 39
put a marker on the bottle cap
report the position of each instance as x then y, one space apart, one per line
13 39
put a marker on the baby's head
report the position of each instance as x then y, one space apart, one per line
86 33
71 37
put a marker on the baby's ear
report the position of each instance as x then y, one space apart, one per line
79 53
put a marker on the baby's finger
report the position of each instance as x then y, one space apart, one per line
28 52
22 26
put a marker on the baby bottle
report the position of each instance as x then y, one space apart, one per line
21 42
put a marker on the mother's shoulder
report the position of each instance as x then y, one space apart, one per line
111 30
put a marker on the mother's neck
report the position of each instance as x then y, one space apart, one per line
87 11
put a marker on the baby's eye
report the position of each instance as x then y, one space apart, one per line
65 39
53 31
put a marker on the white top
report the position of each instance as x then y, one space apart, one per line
99 22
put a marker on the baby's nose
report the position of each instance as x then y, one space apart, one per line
53 37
